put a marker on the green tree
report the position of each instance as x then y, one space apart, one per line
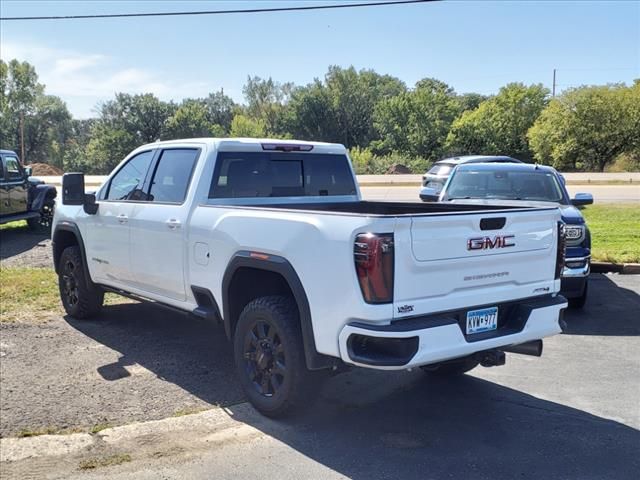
340 109
189 121
243 126
124 124
416 122
24 108
588 127
266 102
500 124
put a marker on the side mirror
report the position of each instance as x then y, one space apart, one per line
73 193
28 171
428 194
582 199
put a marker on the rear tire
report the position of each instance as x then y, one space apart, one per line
269 357
451 368
78 300
578 302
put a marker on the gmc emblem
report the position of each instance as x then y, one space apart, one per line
488 243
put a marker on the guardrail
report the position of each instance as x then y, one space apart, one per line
573 178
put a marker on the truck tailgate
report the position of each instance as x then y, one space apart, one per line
449 261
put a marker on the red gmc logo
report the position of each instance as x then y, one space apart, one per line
488 243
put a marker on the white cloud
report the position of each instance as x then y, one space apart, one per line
83 80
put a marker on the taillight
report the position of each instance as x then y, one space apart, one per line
373 255
562 245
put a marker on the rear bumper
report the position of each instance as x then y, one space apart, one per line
434 338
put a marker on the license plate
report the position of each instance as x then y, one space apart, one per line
483 320
435 185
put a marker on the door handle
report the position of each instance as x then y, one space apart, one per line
173 224
122 218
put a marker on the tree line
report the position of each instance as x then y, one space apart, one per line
378 117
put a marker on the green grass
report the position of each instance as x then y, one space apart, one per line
31 294
14 225
28 294
615 232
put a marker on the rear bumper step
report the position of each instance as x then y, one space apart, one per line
436 338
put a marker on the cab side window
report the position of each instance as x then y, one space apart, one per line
14 172
173 174
128 182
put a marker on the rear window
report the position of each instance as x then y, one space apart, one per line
442 169
505 185
276 174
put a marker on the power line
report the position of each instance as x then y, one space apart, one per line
223 12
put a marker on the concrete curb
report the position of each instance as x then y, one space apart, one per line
622 268
211 426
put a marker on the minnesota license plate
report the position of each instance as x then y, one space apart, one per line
482 320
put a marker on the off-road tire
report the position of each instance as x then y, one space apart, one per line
578 302
78 300
45 220
297 385
451 368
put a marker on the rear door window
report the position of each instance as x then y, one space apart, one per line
275 174
172 175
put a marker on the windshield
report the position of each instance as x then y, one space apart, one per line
506 185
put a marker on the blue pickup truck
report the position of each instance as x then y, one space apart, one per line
520 183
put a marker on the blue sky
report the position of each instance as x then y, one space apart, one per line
473 46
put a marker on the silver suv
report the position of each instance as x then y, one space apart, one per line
437 175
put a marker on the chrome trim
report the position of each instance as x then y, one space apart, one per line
577 272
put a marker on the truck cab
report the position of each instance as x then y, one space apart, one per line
21 196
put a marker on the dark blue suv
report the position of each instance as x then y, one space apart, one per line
535 185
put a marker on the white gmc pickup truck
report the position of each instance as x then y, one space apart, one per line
272 239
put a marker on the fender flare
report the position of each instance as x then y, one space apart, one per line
72 228
281 266
39 194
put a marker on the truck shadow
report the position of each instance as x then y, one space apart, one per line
379 425
370 424
610 310
15 241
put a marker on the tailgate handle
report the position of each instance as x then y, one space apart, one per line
495 223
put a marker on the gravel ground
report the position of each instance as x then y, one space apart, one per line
20 247
136 362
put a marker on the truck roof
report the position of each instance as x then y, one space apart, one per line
506 167
463 159
234 144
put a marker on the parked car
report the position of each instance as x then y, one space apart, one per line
531 185
23 197
437 175
272 239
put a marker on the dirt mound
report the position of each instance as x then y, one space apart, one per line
44 169
398 169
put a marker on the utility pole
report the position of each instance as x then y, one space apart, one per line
22 157
553 90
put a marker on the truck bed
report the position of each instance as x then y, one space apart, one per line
381 209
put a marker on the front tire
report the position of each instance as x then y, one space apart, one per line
452 368
269 357
45 220
78 300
